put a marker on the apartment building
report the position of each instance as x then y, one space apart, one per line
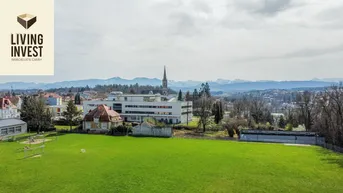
135 107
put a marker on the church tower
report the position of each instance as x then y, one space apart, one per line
165 82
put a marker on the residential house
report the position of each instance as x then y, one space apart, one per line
8 110
16 100
53 99
101 118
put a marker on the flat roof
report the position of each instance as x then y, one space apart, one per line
10 122
271 132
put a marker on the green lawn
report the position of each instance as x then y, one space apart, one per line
64 127
193 123
127 164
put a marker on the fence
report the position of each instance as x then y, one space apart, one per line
295 137
154 132
334 148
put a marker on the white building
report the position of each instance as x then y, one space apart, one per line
7 109
135 107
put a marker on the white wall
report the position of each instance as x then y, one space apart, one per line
156 132
100 125
9 113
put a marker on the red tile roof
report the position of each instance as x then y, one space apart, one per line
14 99
5 103
47 95
104 114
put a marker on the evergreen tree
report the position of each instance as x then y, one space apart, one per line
195 95
77 100
71 113
217 111
35 114
205 90
282 122
179 98
188 96
132 91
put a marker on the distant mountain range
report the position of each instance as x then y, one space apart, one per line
219 85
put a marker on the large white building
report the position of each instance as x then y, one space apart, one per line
135 107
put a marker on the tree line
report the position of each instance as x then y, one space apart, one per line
38 117
127 89
318 111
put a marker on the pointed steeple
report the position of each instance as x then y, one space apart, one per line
165 82
165 74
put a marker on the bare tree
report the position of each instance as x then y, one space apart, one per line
233 125
329 114
258 110
306 105
204 111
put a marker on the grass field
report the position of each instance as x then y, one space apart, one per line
64 127
127 164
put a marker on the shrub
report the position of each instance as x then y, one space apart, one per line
184 127
230 132
264 127
121 129
232 126
289 127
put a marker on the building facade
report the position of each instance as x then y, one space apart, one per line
101 118
135 107
53 99
11 127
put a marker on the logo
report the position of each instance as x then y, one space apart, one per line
26 20
24 46
27 40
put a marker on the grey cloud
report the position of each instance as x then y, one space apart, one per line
272 7
106 38
331 18
264 7
314 52
201 6
183 24
304 53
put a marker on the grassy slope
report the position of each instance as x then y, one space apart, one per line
125 164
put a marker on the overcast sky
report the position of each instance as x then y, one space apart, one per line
197 39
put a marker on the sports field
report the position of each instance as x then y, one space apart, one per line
127 164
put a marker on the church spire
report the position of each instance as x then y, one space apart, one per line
165 74
165 82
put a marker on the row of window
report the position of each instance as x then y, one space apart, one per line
148 106
186 112
189 106
142 112
10 130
